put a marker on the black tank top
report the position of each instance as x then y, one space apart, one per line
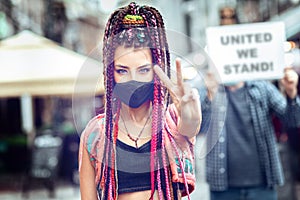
133 166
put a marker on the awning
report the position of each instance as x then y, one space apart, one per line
33 65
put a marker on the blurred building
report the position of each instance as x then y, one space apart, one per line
80 22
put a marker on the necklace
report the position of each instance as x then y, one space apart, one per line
135 140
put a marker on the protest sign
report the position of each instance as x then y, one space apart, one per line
247 51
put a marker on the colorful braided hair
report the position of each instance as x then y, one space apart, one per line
135 26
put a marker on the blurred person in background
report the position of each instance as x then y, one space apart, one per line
288 139
141 147
244 164
55 21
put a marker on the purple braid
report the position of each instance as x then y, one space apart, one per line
155 112
109 177
166 46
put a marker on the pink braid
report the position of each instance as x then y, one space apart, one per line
165 164
113 160
155 130
110 191
160 193
153 145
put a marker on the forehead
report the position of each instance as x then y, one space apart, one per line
132 56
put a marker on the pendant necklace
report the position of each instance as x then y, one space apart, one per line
135 140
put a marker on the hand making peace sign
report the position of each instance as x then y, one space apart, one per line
186 100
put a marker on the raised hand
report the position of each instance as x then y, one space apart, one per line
212 85
186 100
289 82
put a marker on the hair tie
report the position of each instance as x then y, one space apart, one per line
132 21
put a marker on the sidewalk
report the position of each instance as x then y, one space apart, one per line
11 189
61 193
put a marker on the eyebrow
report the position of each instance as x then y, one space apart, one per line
126 67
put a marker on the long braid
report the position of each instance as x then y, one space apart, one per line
159 58
157 118
113 160
166 171
164 156
167 62
160 54
154 138
108 128
159 183
109 160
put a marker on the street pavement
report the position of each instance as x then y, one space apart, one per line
61 193
11 189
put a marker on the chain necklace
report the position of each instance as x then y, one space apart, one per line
135 140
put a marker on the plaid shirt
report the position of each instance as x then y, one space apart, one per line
263 99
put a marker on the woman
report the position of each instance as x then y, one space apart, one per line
141 147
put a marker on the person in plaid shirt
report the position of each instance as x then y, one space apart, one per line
242 160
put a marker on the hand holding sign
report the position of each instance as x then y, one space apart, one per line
211 84
290 82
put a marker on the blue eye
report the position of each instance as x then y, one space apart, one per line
144 70
121 71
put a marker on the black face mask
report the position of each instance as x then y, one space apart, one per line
134 93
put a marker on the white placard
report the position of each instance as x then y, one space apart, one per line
247 51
